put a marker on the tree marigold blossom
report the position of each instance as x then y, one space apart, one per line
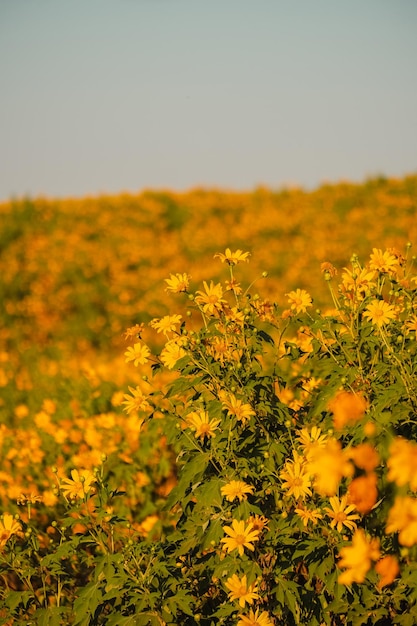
237 408
240 590
388 569
379 312
402 518
311 440
255 618
383 262
236 489
232 258
173 351
8 527
363 492
365 456
402 463
166 324
308 515
240 536
177 283
202 424
359 282
211 299
411 325
79 485
357 558
299 300
139 354
137 401
328 465
296 480
347 408
341 513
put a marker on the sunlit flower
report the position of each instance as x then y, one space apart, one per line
166 324
364 456
341 513
329 269
237 408
240 536
134 331
296 479
172 353
177 283
30 498
328 465
236 489
79 485
402 518
402 463
137 401
310 440
388 569
211 299
411 325
357 558
347 408
308 515
358 281
240 590
8 527
379 312
384 262
139 354
255 618
232 258
202 424
299 300
259 522
363 492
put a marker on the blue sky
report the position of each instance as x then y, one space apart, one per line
104 96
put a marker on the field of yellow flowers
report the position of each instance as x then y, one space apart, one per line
186 441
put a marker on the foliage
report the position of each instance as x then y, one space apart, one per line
293 431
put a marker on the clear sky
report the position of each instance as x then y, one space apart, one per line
120 95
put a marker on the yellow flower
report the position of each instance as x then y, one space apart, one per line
402 518
296 479
240 536
347 408
255 618
357 558
236 489
8 527
411 325
79 485
309 515
237 408
259 522
136 401
211 299
402 463
299 300
379 312
364 456
341 513
388 569
134 331
311 440
177 283
139 354
358 281
172 353
166 324
328 465
202 424
363 492
232 258
240 590
384 262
